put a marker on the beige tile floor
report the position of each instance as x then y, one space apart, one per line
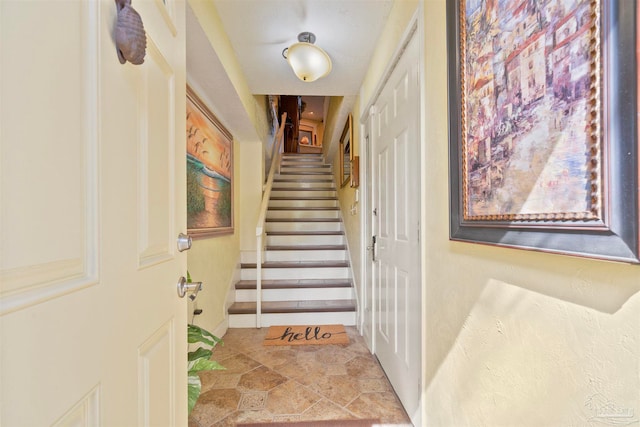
294 383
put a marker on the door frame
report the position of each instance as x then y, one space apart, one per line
414 28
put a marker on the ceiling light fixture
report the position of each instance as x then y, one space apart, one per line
308 61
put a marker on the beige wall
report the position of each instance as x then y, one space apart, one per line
515 337
347 200
215 260
510 337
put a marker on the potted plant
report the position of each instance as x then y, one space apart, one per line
200 359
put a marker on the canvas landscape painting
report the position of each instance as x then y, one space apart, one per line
531 110
209 171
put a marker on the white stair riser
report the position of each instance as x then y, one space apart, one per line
293 255
306 255
303 203
300 214
302 157
347 318
305 166
303 193
307 172
305 240
303 226
297 273
297 163
298 184
303 177
297 294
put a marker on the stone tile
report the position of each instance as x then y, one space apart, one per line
302 383
245 340
274 357
222 352
253 401
305 368
372 385
364 367
215 405
333 354
260 416
286 418
384 406
261 378
291 398
336 370
326 410
218 379
239 364
340 389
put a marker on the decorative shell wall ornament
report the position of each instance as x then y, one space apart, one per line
131 40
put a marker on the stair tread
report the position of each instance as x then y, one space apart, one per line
292 284
304 198
328 173
303 220
300 208
305 233
306 248
297 264
303 189
294 306
303 165
311 181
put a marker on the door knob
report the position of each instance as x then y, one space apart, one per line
184 287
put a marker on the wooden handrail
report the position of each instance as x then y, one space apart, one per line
260 229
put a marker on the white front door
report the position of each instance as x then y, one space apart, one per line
396 203
92 200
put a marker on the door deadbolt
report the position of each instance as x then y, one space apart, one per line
184 242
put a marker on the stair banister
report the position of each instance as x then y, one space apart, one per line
260 228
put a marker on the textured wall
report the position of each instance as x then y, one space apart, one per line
214 261
346 197
511 337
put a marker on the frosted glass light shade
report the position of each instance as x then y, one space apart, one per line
308 61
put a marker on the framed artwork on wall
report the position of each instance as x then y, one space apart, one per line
209 171
346 152
542 139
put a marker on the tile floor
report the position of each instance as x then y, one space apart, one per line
294 383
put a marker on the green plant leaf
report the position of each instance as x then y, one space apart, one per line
197 334
193 386
200 353
188 277
204 365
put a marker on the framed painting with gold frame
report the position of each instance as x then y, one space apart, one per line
209 171
542 153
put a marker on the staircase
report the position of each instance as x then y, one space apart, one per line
306 276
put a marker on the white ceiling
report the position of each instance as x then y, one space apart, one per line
259 30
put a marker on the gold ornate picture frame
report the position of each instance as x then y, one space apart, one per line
538 126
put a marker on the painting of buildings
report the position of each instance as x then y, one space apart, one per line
529 91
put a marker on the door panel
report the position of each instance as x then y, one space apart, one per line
92 200
156 148
49 236
396 200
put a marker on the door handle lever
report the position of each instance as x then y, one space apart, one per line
184 287
372 248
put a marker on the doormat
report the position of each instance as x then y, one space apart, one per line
306 335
